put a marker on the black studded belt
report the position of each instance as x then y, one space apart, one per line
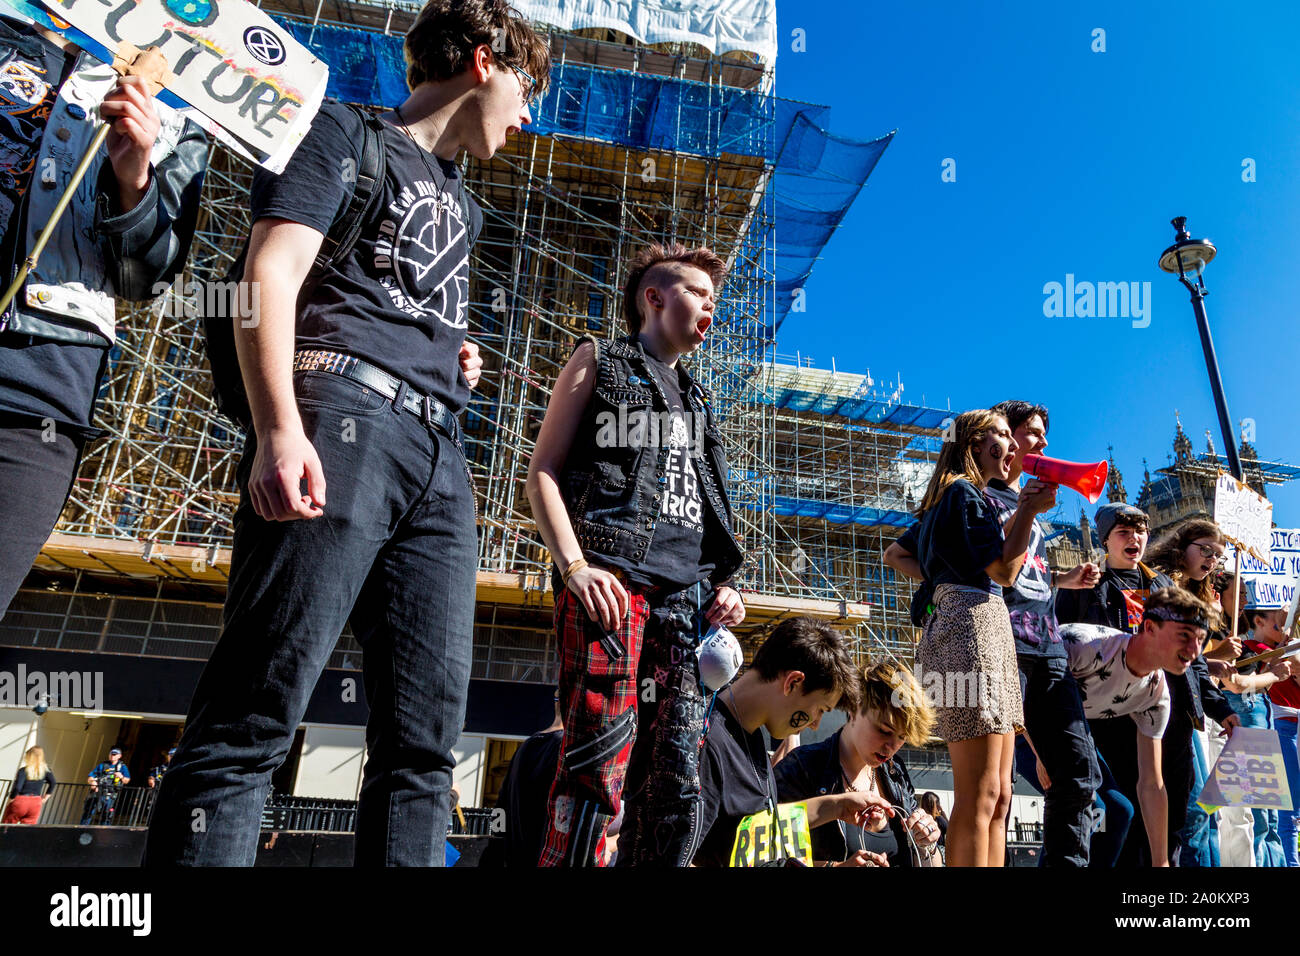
429 409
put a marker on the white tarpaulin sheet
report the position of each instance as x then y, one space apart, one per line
718 25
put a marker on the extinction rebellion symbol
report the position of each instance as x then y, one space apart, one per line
264 45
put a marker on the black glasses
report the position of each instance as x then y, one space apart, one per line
527 86
1210 552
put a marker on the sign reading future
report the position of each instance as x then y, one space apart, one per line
229 61
1244 516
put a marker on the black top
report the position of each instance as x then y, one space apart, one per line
524 794
32 788
736 780
400 300
813 770
675 558
28 91
1117 601
1031 603
960 537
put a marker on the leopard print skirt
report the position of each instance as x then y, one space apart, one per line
966 663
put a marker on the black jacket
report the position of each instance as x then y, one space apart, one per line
813 770
612 491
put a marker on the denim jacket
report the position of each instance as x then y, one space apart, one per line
613 490
70 296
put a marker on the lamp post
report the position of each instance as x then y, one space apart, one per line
1187 259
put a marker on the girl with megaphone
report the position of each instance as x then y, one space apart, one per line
966 659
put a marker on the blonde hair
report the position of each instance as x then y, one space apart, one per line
34 763
957 457
891 691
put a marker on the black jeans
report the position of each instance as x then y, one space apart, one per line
1055 722
37 465
661 797
394 552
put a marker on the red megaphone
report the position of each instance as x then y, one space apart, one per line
1087 480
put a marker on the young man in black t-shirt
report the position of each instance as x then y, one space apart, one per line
628 488
361 385
801 671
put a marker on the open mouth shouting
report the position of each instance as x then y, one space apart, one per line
1132 552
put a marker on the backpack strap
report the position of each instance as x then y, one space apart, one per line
345 231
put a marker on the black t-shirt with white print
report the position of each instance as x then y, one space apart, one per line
1031 602
675 558
400 300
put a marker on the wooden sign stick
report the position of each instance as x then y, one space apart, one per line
150 64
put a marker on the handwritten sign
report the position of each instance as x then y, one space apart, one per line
231 62
1276 580
763 838
1249 773
1244 516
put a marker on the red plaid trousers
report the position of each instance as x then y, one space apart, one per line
598 698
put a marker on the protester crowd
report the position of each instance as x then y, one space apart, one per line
1109 686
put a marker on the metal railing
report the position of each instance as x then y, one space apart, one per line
79 804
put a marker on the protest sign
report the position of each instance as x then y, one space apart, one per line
1248 773
229 61
1244 516
1275 579
766 837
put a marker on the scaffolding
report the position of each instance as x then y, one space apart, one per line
632 144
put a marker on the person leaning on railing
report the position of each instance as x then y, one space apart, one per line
33 785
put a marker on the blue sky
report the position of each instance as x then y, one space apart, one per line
1067 161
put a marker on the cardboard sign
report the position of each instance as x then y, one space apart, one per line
1276 579
1244 517
1249 773
230 61
762 838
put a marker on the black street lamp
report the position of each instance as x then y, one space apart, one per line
1187 259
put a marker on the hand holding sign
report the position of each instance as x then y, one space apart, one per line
254 83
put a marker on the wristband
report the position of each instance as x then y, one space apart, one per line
573 568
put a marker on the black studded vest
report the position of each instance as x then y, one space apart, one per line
613 490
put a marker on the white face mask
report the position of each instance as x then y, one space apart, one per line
719 657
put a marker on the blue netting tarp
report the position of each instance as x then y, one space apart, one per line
817 175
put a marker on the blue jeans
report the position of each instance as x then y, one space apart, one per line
1117 816
1254 711
1199 836
395 553
1056 724
1286 819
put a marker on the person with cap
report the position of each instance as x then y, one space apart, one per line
105 779
628 486
1266 621
156 774
1122 674
1124 583
125 234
